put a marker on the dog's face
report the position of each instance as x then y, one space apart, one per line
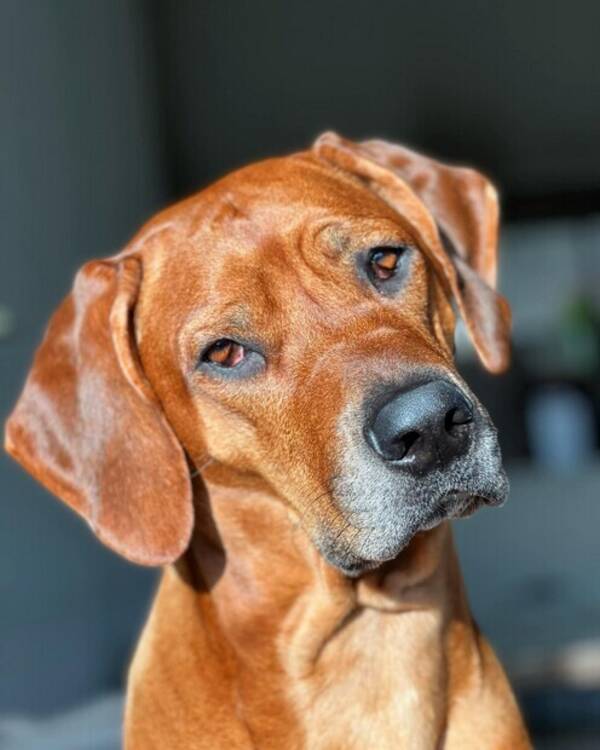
312 341
296 326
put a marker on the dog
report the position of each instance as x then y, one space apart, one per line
259 393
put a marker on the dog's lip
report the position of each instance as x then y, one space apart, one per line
459 504
454 504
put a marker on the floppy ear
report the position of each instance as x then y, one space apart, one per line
89 428
464 205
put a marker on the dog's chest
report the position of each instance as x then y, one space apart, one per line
380 682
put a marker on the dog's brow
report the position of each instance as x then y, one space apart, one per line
239 318
232 318
343 237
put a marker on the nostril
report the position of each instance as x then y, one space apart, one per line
403 443
457 417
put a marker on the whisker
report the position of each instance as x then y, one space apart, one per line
313 501
308 507
198 469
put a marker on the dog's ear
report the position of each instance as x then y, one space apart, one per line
461 203
90 429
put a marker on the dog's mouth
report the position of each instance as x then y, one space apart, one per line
455 504
459 503
390 539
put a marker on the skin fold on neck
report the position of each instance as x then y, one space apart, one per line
299 630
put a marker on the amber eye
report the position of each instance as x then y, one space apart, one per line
383 262
224 353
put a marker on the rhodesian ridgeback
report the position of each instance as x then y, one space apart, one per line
259 393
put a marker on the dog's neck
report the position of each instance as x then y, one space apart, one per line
307 652
254 559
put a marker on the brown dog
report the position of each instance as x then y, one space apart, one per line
274 358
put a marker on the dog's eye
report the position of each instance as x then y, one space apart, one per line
224 353
383 262
226 358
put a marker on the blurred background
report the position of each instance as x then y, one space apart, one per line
112 109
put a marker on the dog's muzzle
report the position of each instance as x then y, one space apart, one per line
424 452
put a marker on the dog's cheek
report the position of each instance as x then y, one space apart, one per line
229 439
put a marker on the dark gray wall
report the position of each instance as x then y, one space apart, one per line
81 168
512 86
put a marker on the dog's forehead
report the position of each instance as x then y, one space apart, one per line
299 181
268 199
227 237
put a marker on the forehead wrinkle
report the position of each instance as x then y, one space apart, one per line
333 239
225 214
311 234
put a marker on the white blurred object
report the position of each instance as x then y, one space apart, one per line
576 665
7 322
560 426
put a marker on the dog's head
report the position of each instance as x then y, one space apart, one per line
290 328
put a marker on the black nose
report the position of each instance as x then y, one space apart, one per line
422 428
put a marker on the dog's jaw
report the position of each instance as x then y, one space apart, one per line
384 509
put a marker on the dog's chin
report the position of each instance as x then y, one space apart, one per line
346 560
379 545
